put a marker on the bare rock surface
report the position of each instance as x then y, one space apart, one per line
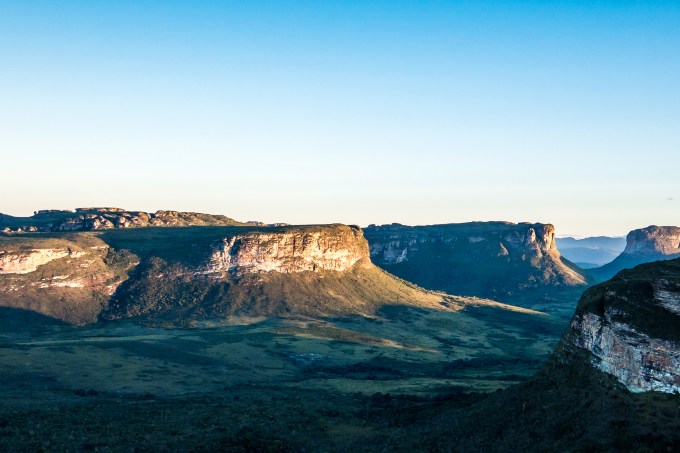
644 245
291 251
630 327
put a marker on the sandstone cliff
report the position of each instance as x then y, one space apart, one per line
644 245
654 240
290 251
63 278
630 327
498 260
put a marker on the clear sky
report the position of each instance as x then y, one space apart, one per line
351 111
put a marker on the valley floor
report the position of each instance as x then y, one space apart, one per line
404 380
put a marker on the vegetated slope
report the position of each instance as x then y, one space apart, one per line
611 385
630 327
68 277
644 245
592 251
181 275
572 404
513 263
87 219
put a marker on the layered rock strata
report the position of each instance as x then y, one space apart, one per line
290 251
629 327
644 245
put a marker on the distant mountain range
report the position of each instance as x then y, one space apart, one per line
591 252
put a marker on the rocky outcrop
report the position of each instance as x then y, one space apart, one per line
654 240
24 262
629 327
654 243
95 219
291 251
70 279
498 260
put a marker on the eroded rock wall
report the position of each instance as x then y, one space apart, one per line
338 249
629 327
664 240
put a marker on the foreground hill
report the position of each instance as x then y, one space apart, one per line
513 263
591 252
187 274
611 385
629 327
644 245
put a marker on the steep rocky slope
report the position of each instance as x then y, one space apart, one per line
630 327
88 219
188 274
69 277
515 263
644 245
611 385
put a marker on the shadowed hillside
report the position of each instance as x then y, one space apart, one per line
513 263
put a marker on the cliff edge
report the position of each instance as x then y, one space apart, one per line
644 245
513 263
629 327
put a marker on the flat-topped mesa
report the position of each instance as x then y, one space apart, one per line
309 270
629 327
336 248
644 245
496 260
393 243
654 240
95 219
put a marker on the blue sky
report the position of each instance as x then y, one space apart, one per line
357 112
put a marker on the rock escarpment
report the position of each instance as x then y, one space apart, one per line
24 262
629 327
644 245
67 279
290 252
498 260
189 274
654 240
94 219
